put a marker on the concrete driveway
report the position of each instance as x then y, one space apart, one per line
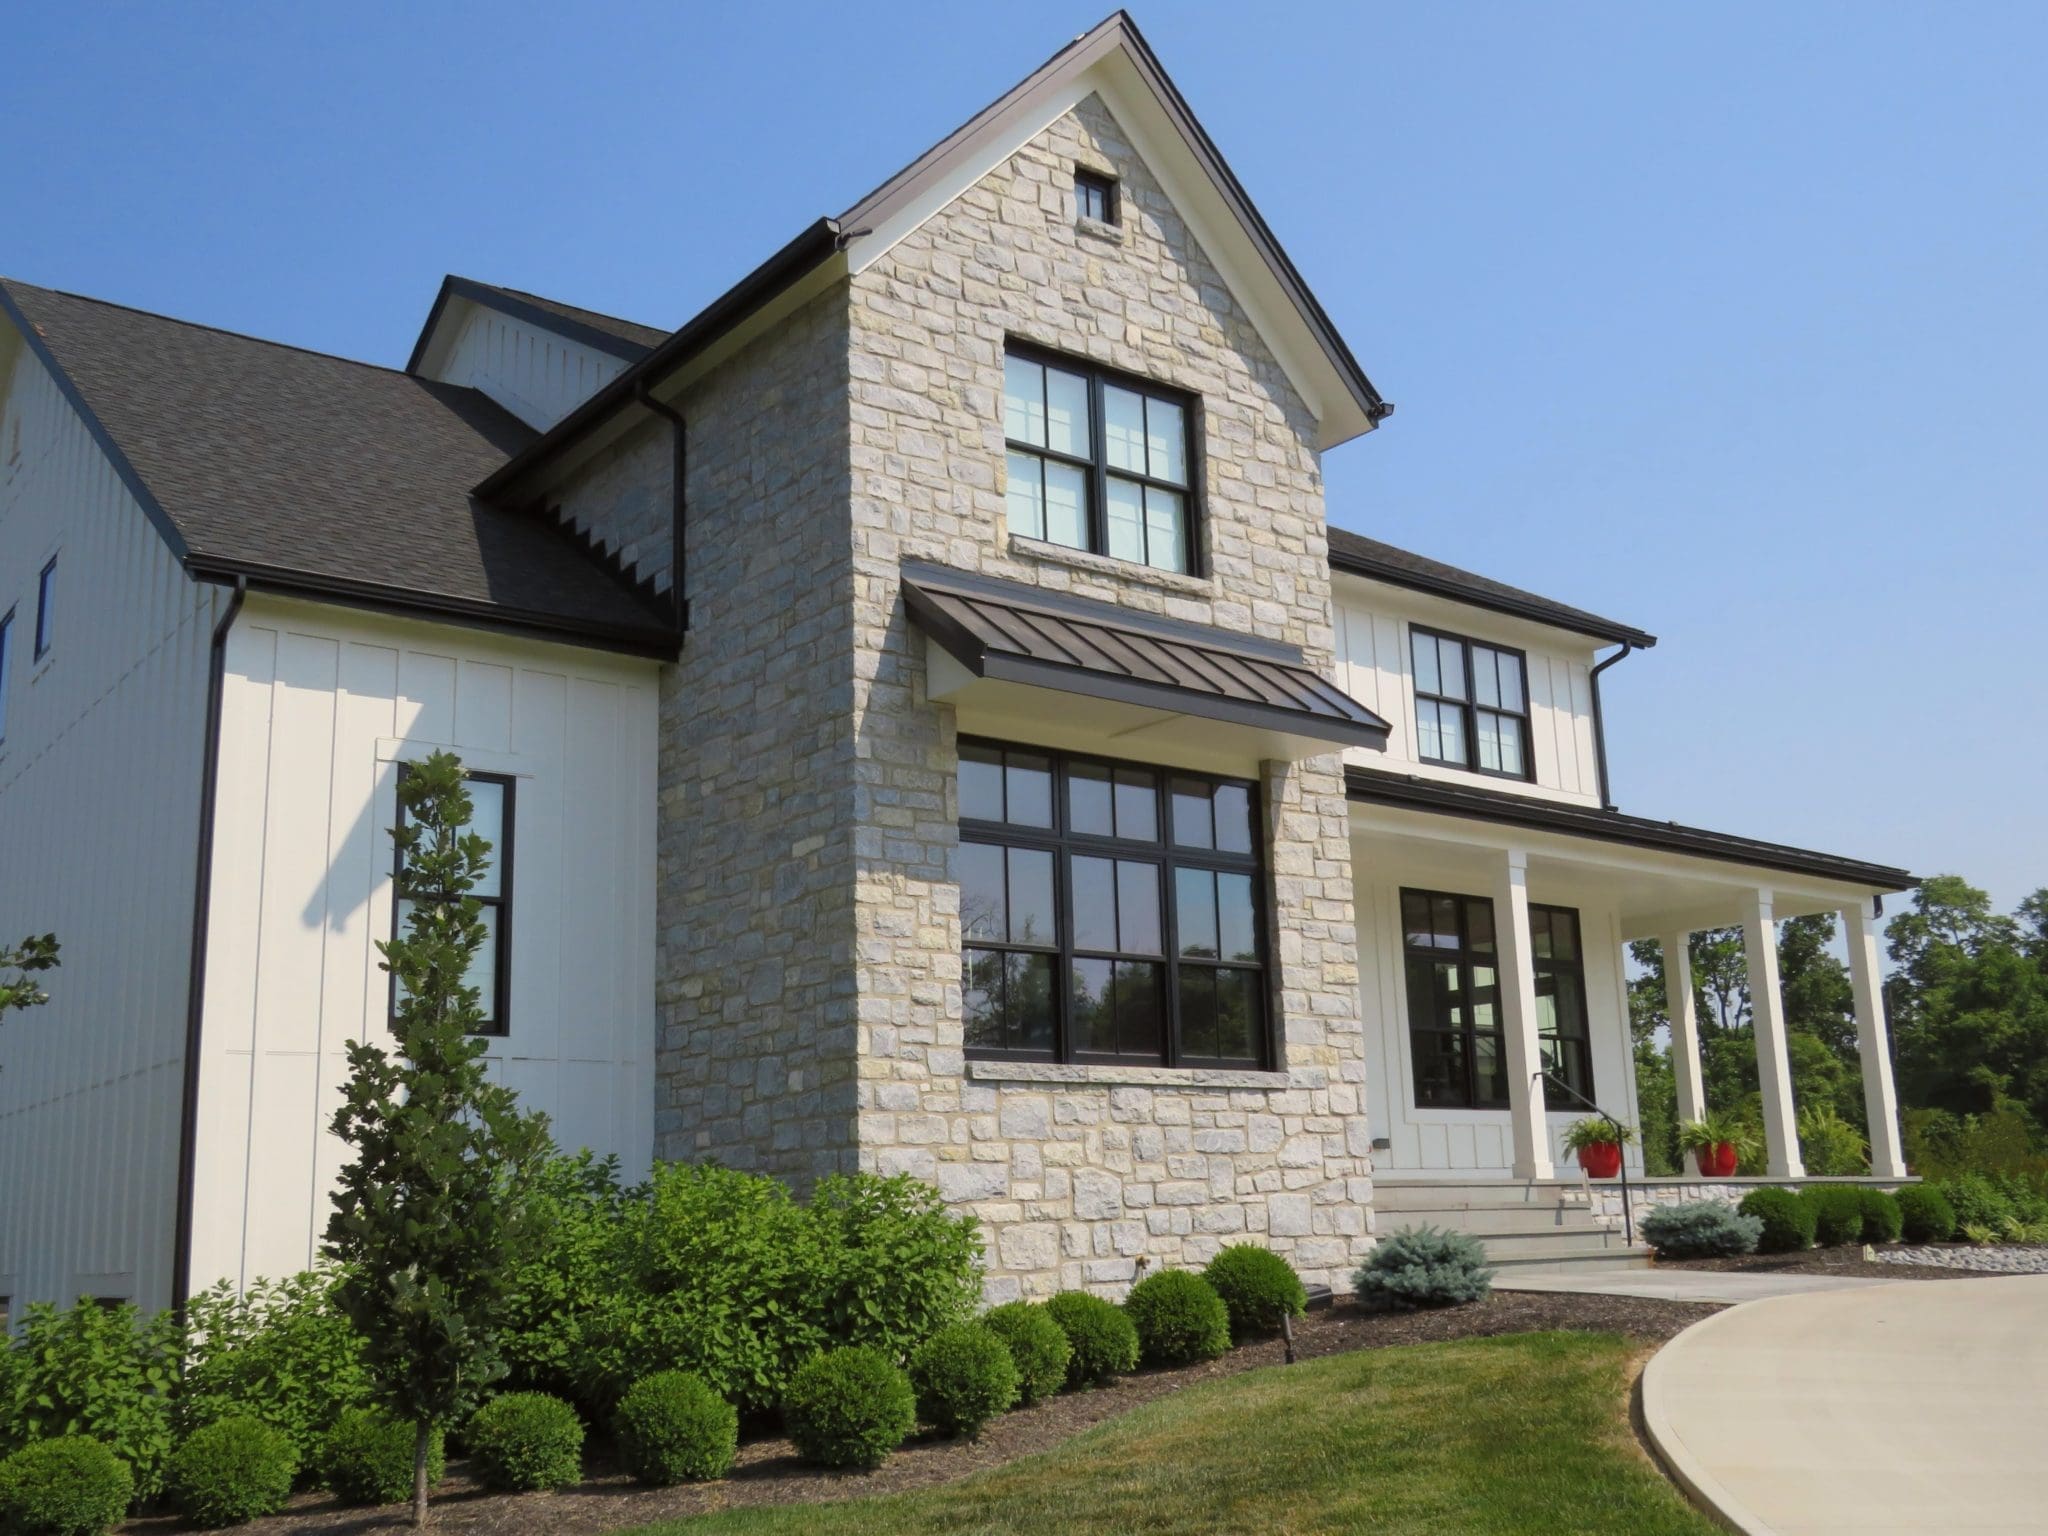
1919 1407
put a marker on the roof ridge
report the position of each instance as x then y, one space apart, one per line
542 298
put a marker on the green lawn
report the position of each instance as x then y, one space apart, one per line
1521 1435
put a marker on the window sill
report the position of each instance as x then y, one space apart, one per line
1024 547
1136 1077
1099 229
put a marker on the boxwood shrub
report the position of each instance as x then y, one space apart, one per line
672 1428
524 1442
1837 1213
367 1457
1700 1229
849 1408
1258 1288
230 1471
1037 1347
1883 1221
67 1486
1925 1216
1788 1220
1179 1318
1423 1267
963 1377
1104 1345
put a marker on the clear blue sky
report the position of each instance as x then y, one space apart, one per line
1729 321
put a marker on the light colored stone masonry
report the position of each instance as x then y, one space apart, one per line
1086 1183
620 499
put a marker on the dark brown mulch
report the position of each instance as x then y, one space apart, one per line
769 1473
1829 1261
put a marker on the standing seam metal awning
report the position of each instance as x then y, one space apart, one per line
1006 631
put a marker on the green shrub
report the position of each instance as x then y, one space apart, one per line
95 1371
230 1471
281 1352
577 1202
1037 1347
963 1377
1830 1146
1258 1288
2027 1194
1700 1229
1180 1319
1883 1221
671 1428
891 1264
1423 1267
1977 1233
1787 1219
849 1408
1837 1213
1925 1214
524 1442
1977 1201
366 1458
1102 1343
70 1485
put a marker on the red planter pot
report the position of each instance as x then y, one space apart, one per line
1718 1161
1601 1160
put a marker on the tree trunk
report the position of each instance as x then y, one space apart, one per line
422 1437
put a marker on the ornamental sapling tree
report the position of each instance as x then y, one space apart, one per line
19 965
431 1220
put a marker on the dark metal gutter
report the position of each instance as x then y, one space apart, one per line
195 975
679 496
1600 722
816 245
1406 792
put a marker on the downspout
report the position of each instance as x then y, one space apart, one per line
1600 724
678 501
195 992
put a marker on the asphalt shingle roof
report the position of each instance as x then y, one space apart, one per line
268 457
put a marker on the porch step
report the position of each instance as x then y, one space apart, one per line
1518 1222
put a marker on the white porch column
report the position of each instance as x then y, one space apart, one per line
1767 1015
1518 1015
1873 1043
1682 1008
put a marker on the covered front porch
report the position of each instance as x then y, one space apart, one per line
1493 987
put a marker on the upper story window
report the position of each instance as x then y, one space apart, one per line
1098 460
1095 196
6 646
1471 704
1109 912
46 592
490 799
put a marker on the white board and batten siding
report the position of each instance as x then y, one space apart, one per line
99 816
1374 666
320 707
538 376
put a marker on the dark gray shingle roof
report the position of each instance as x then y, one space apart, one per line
261 458
1399 567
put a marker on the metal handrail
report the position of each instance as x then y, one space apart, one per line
1628 1220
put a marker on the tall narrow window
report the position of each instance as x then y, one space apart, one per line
1098 460
1095 196
1471 704
1109 912
490 798
6 648
1454 1023
46 592
1561 1023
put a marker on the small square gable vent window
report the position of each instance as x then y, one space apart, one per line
1095 196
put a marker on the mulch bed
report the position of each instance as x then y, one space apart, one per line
1846 1260
768 1471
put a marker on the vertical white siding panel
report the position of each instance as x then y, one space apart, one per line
536 375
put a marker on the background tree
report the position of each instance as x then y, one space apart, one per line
431 1222
19 967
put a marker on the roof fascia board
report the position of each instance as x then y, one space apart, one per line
96 429
1418 581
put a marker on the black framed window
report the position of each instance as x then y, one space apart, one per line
1562 1029
6 650
1099 460
491 798
1471 704
1109 912
1095 196
46 592
1454 1021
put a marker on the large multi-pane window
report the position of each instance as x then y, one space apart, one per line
1561 1023
490 798
1454 1017
1471 704
1109 912
1098 460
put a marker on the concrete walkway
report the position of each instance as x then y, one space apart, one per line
1728 1286
1917 1407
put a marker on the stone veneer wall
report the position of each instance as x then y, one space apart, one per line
1083 1176
756 990
621 500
